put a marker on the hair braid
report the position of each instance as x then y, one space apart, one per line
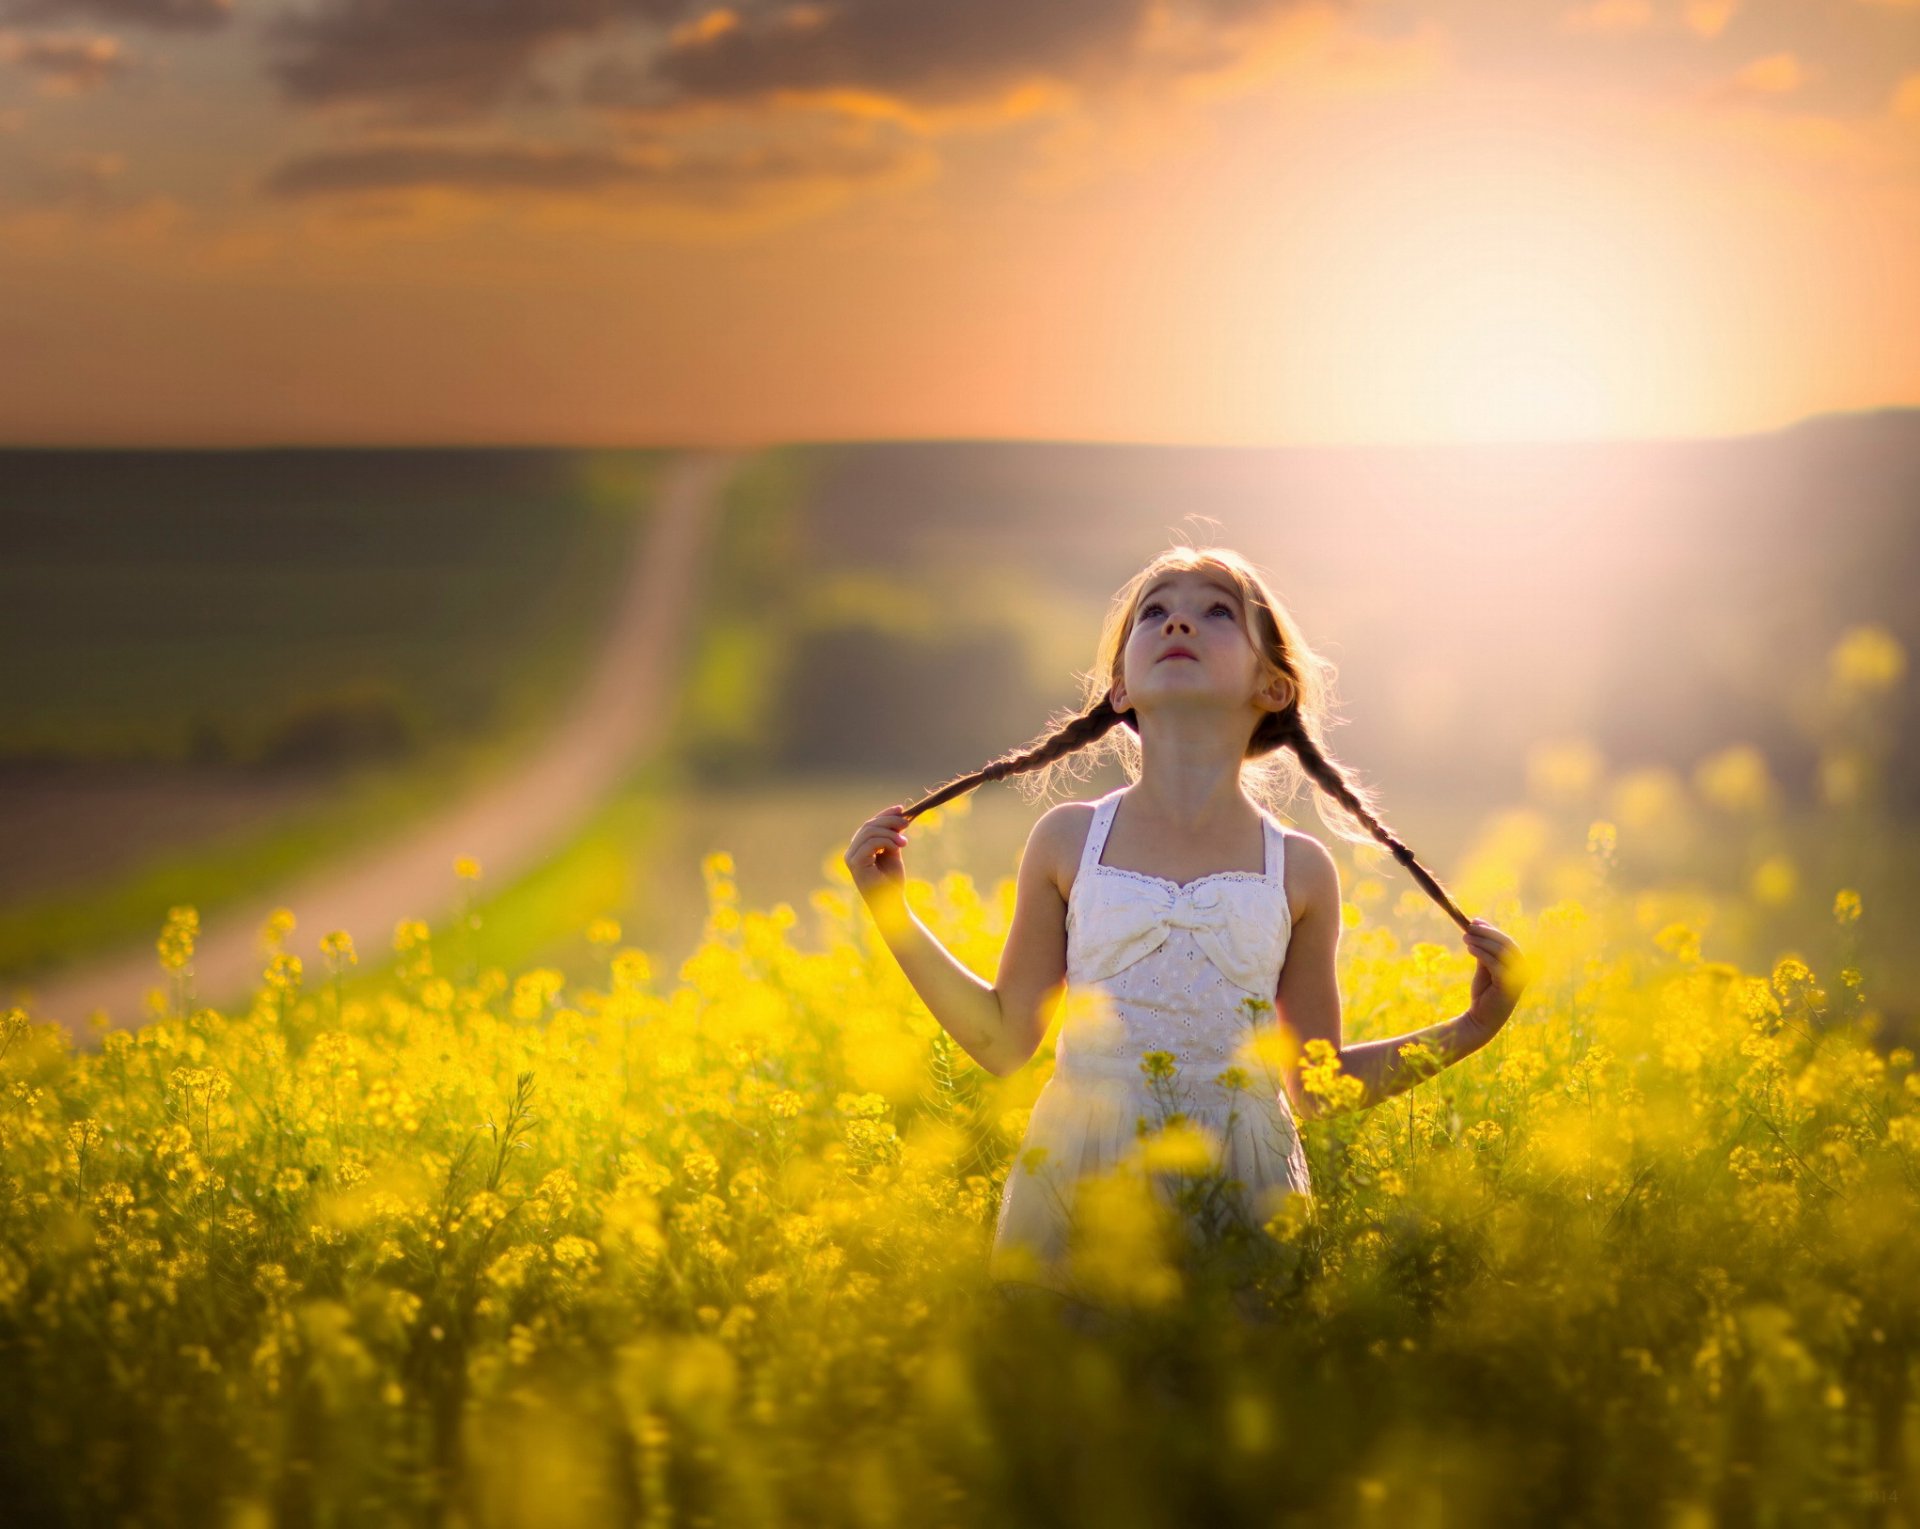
1070 736
1326 775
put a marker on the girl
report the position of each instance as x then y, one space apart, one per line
1178 907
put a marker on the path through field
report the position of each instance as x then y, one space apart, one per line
508 826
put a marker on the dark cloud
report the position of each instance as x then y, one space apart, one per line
432 59
64 63
683 176
425 60
173 15
925 49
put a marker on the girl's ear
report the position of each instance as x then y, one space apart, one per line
1280 694
1117 695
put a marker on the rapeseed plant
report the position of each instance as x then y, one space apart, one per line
709 1246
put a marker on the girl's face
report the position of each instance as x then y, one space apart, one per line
1197 613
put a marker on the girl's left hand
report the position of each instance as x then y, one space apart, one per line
1499 979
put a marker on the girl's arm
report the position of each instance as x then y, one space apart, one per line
1308 997
1000 1025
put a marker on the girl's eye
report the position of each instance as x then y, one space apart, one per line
1155 605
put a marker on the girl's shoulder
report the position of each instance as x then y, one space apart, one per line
1061 838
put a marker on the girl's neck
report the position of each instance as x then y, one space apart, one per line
1198 796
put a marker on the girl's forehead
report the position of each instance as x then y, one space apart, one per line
1204 577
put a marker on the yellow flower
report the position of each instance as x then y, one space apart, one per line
533 990
1774 881
1846 905
1184 1148
575 1254
1790 972
467 868
283 973
1736 779
1867 659
702 1170
408 933
1679 941
177 938
1482 1134
1563 771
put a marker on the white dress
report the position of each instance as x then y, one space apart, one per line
1154 965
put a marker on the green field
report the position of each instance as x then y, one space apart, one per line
172 605
392 628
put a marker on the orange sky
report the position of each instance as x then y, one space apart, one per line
638 222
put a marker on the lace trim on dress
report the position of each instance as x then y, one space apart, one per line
1273 842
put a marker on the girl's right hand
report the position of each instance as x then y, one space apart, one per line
874 857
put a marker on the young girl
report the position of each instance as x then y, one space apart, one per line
1177 906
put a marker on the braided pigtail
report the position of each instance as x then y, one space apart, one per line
1325 774
1071 736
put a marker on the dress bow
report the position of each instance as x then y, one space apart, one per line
1233 922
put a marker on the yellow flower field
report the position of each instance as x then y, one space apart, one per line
624 1247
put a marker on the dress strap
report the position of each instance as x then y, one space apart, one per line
1276 841
1102 825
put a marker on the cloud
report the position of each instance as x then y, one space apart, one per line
657 172
690 80
443 59
1758 101
430 60
1703 18
932 50
938 51
169 15
64 64
1709 18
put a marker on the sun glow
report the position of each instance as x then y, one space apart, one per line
1495 279
1519 294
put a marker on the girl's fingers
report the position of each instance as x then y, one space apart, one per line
877 840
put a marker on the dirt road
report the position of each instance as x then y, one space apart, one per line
509 826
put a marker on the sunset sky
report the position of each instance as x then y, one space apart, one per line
638 222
